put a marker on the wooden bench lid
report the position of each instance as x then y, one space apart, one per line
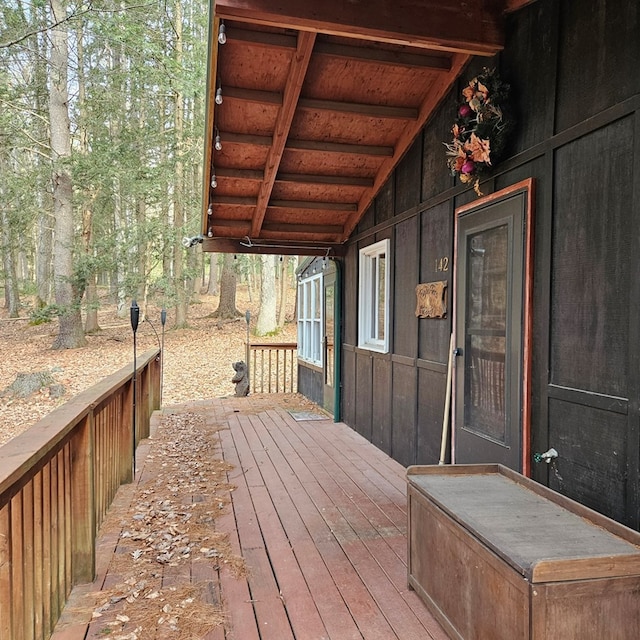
537 535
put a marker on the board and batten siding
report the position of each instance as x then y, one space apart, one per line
574 72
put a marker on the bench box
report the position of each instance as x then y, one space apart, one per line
497 556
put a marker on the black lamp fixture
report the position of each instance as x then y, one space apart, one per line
135 319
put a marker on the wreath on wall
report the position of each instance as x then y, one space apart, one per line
481 128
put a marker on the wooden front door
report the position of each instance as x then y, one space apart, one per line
491 312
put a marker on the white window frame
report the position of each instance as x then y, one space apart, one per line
310 320
369 291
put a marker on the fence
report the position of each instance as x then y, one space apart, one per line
273 367
57 480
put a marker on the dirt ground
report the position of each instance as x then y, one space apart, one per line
197 360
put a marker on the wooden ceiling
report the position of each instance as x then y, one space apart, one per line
320 100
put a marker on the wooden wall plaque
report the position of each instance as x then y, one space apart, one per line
431 299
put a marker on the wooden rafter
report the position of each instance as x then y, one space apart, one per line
295 79
383 56
315 179
339 147
305 204
356 109
469 26
253 95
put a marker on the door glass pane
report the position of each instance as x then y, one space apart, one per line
486 309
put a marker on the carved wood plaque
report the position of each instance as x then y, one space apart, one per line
431 299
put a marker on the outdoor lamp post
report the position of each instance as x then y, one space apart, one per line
163 321
135 319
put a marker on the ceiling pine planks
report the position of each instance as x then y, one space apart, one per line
321 101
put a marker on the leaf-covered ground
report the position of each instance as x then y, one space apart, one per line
197 360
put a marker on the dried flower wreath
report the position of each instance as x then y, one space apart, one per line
481 128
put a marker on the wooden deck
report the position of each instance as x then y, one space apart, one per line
319 515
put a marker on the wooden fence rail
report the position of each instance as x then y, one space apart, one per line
273 367
57 480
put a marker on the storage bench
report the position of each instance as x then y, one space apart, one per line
497 556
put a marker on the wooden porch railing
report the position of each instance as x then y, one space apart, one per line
273 367
57 480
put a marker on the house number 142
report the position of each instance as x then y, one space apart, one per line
442 264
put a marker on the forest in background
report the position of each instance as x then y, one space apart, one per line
102 108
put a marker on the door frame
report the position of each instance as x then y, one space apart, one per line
526 187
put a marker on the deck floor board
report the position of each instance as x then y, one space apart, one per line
319 515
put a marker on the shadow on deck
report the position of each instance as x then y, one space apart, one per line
317 513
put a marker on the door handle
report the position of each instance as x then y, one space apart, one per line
547 456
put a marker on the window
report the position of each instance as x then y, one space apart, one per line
310 319
373 317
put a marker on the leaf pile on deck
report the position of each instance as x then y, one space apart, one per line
169 536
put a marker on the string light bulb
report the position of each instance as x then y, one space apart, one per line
219 95
222 33
214 180
218 142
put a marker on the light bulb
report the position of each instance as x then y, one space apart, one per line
214 181
218 143
222 34
219 95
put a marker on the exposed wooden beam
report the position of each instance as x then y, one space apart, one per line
240 174
440 62
339 147
311 204
299 229
372 110
301 178
436 93
209 118
295 79
261 38
245 138
468 26
232 245
253 95
234 201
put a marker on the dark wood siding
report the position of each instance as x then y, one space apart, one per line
573 69
589 323
310 383
405 256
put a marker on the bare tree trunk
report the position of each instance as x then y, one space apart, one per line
91 315
284 289
227 304
44 246
44 232
70 333
213 289
11 295
178 190
267 315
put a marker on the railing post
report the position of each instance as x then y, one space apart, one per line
6 591
82 502
127 433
